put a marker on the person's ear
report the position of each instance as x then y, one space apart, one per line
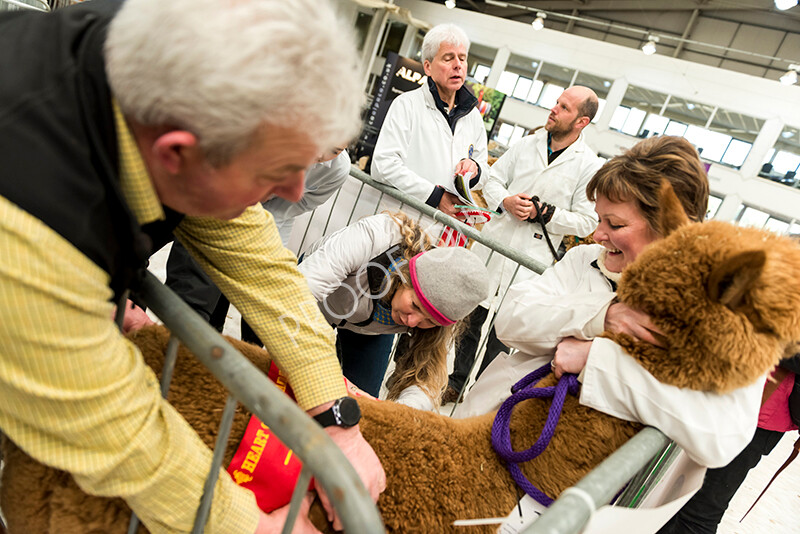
584 121
172 148
426 66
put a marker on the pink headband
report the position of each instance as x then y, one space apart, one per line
430 308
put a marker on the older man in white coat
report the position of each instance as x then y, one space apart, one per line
433 132
539 186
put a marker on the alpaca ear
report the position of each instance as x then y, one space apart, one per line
731 279
672 215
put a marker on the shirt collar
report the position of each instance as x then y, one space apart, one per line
137 189
464 99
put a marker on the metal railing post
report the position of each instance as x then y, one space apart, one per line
259 395
572 510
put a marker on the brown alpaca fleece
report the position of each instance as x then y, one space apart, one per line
438 469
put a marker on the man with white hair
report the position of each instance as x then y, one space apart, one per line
433 132
120 125
429 135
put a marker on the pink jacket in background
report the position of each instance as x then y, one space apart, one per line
774 414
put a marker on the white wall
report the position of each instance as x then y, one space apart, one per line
765 99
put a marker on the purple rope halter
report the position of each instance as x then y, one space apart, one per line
501 429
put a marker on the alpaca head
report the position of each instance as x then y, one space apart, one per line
726 297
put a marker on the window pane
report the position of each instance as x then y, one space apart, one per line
633 121
711 145
753 217
736 153
713 206
618 119
785 162
535 91
654 125
504 133
507 82
776 225
675 128
788 143
550 95
516 135
481 73
522 88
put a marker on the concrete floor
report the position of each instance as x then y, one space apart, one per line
778 511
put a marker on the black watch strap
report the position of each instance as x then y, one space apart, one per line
345 413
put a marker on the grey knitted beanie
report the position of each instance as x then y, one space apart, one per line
450 282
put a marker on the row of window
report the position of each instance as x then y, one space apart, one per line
720 136
750 216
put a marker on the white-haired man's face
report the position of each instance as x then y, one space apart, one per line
448 69
273 166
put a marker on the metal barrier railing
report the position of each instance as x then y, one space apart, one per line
638 463
35 5
571 511
246 384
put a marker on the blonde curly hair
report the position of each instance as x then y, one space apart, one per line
422 361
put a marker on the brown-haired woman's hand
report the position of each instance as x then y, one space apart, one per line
623 319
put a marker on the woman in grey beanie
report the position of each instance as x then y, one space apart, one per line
382 275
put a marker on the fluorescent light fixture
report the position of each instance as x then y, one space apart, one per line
450 4
783 5
649 47
496 3
538 22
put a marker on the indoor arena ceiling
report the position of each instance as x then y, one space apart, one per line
749 36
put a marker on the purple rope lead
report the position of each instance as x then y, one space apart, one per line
501 429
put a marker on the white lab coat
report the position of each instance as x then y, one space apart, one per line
524 169
416 150
321 182
571 299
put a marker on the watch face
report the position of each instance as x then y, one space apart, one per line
349 411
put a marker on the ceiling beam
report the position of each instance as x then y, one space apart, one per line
687 32
571 22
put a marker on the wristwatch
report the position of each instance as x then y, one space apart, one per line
345 413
